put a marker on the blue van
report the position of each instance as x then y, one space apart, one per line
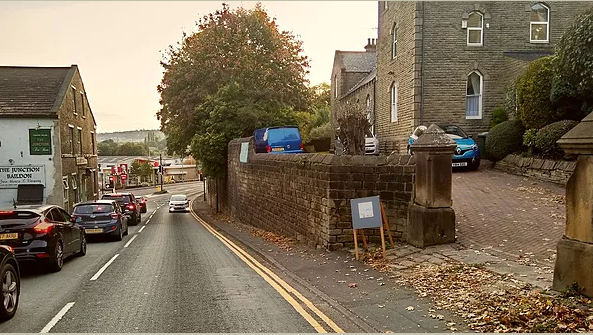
278 140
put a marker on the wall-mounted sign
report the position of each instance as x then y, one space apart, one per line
366 212
81 161
12 176
244 152
40 142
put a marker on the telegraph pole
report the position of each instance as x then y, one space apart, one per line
161 168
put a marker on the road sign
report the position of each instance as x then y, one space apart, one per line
124 177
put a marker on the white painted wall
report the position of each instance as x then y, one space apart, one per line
14 139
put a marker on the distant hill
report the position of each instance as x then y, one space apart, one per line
129 135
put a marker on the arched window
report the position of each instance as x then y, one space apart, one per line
393 101
539 23
473 105
475 29
370 113
394 41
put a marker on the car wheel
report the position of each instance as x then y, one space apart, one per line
82 251
10 292
126 232
120 234
57 262
475 165
139 218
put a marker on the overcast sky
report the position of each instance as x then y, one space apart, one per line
117 44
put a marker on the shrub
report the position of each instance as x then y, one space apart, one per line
510 100
533 94
321 132
529 137
546 138
503 139
498 115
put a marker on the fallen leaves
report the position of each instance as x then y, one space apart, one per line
281 241
352 285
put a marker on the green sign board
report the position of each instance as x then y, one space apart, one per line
40 141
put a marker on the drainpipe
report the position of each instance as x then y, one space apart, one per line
422 69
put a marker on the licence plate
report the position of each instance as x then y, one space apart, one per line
93 231
277 149
11 236
460 164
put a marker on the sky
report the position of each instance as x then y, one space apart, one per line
118 45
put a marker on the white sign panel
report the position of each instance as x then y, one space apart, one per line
365 210
244 152
12 176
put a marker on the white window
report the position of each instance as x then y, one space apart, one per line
369 114
335 86
475 29
393 101
540 23
394 41
473 105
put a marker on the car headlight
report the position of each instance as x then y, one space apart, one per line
474 147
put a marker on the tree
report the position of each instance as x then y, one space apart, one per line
533 94
132 149
353 125
238 55
572 87
107 148
143 169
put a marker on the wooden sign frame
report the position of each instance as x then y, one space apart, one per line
384 226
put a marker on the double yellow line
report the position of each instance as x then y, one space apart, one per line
276 282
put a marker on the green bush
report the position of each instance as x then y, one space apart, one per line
498 115
546 138
529 137
533 94
321 132
503 139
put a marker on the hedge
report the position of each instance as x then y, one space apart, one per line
533 94
503 139
546 138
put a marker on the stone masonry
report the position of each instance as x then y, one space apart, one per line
306 196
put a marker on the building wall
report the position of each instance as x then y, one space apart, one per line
14 144
79 167
448 60
400 70
359 98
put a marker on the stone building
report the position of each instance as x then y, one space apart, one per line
48 149
450 62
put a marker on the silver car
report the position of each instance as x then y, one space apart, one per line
371 145
178 202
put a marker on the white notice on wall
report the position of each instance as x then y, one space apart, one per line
365 210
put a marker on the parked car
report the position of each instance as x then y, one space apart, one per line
142 203
278 140
10 275
178 202
101 217
467 153
42 234
371 145
127 201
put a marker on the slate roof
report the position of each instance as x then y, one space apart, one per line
357 61
32 91
370 77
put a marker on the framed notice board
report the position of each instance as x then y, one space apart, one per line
40 142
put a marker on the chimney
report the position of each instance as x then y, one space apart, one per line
371 45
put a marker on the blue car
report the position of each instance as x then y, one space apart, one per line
467 153
278 140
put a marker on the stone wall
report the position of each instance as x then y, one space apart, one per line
542 169
307 196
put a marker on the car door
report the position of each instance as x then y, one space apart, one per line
123 219
75 231
61 227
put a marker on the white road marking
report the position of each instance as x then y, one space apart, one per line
147 222
57 318
141 229
130 241
105 266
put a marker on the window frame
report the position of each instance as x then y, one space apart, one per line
82 104
393 99
480 29
369 113
394 30
71 127
335 86
481 96
80 146
546 23
74 104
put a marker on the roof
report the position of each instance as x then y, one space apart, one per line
33 91
527 55
370 77
356 61
105 201
32 208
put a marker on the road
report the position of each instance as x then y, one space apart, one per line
170 274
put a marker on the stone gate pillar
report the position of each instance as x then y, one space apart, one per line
574 258
431 218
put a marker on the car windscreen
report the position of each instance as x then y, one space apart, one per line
283 134
122 199
18 217
178 198
454 132
93 209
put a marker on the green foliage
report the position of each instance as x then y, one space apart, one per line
546 138
112 148
533 94
572 88
529 137
498 115
239 55
510 100
503 139
107 148
143 169
321 132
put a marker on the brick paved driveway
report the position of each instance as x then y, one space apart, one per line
510 215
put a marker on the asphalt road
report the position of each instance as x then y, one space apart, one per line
170 275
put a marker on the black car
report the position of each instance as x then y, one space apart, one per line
10 275
101 217
127 201
42 234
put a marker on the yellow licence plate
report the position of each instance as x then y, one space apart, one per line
277 149
93 231
11 236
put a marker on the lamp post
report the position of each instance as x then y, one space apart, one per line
161 168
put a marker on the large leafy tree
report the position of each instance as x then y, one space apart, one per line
236 73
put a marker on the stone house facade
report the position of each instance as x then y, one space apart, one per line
52 102
450 62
